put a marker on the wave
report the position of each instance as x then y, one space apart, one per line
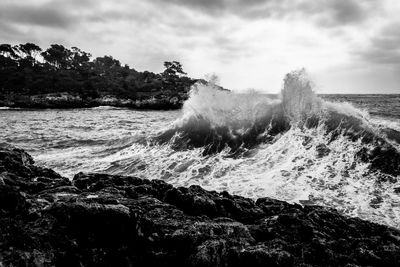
216 121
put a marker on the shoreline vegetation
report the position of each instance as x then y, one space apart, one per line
59 77
110 220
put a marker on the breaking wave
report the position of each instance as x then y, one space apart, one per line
295 147
218 120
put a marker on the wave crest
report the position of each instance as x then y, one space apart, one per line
217 120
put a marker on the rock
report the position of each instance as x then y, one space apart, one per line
154 100
197 201
261 255
106 220
11 200
17 169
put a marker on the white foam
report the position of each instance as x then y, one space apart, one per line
222 107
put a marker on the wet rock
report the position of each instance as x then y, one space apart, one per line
11 200
197 201
19 163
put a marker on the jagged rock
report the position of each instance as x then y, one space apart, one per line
106 220
11 200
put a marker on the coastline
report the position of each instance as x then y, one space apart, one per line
111 220
67 101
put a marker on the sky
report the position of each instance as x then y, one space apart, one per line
347 46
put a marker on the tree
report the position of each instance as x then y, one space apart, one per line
28 53
79 58
30 50
173 69
107 62
7 50
58 56
7 58
72 70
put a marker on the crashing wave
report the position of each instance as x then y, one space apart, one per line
217 120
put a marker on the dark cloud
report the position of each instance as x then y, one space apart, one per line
347 11
47 16
178 14
327 13
63 14
344 12
206 5
384 47
218 8
7 28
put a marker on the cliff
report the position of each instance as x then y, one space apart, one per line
104 220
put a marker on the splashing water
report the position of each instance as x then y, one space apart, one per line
295 147
298 99
299 148
224 108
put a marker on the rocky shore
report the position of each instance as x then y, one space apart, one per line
155 101
104 220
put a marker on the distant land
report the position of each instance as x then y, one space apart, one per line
58 77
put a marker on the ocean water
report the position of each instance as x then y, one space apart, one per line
298 147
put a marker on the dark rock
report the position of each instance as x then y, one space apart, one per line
155 101
17 169
106 220
197 201
11 200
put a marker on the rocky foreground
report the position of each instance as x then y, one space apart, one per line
104 220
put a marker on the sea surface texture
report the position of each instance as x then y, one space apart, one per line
298 147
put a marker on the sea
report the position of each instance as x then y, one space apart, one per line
297 146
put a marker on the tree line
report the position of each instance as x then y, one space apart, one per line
27 69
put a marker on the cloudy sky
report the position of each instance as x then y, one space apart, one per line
347 46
